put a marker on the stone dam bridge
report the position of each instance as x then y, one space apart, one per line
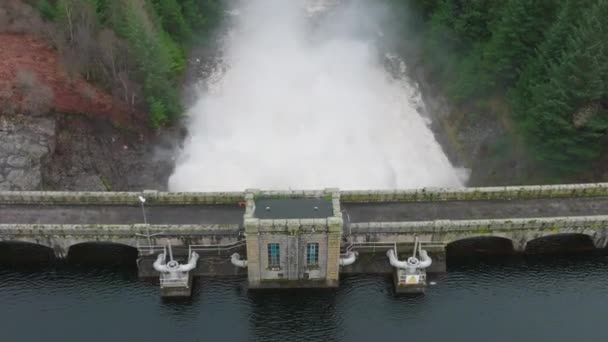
217 224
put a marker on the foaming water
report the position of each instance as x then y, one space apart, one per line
298 105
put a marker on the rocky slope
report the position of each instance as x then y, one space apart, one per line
25 145
42 148
91 154
68 152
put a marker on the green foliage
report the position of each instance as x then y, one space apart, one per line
177 56
101 8
172 19
158 113
203 15
549 56
561 103
520 29
46 10
157 33
191 13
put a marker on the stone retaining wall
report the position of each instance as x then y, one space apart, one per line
472 194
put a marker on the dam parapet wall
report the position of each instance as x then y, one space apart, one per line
154 197
476 194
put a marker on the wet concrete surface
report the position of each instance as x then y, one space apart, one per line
473 210
107 214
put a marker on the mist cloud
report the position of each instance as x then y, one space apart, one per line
307 106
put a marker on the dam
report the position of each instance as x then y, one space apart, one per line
302 238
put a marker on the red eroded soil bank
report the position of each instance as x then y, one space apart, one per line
71 94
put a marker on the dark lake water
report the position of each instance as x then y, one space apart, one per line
563 299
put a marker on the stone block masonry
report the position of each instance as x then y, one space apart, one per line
365 196
291 237
294 226
520 231
119 198
476 194
61 237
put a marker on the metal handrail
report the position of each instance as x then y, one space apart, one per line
144 249
150 249
219 248
174 282
385 244
373 245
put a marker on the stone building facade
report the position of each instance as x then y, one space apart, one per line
284 250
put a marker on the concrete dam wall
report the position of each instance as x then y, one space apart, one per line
254 222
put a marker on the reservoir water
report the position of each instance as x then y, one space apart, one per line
551 299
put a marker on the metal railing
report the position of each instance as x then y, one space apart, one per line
174 282
217 248
351 246
384 245
149 250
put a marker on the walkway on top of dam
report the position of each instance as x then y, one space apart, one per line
475 210
357 212
113 214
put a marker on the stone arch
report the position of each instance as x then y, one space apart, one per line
489 245
25 252
560 243
102 253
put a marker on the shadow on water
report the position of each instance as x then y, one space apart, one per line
539 259
480 246
14 254
103 254
499 251
85 261
561 244
295 312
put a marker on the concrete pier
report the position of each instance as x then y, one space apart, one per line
181 290
411 285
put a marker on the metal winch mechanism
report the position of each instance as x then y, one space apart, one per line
175 278
410 275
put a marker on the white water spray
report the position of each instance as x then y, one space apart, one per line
295 112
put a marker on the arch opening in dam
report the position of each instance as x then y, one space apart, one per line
480 246
102 254
25 253
566 243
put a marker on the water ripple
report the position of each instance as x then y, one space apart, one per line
557 300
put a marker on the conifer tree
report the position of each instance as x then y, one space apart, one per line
566 116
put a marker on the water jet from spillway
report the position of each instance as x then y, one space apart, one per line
308 108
